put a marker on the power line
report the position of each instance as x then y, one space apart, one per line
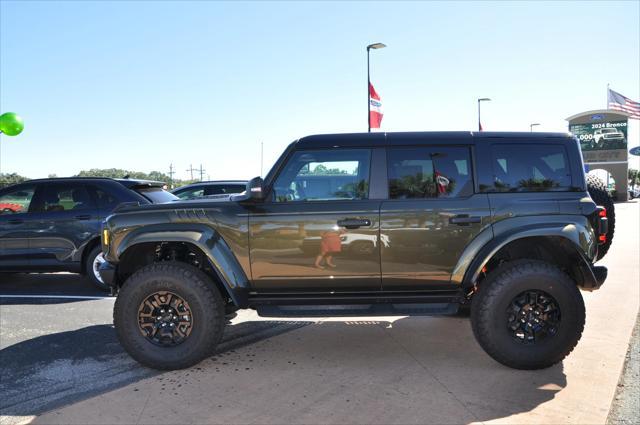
171 173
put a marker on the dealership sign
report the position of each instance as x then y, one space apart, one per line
635 151
603 141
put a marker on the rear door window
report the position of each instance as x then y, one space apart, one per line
429 172
529 168
58 197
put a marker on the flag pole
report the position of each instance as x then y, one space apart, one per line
607 104
368 94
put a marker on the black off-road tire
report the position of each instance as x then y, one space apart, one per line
89 272
598 192
192 285
489 314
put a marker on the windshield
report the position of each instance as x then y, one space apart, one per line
609 130
157 195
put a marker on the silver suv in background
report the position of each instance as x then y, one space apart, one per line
210 188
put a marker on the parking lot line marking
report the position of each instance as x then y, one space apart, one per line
71 297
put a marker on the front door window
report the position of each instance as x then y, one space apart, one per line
324 175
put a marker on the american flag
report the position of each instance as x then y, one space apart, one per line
624 104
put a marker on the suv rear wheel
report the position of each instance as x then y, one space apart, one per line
169 316
528 314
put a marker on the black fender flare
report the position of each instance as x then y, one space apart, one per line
208 241
575 237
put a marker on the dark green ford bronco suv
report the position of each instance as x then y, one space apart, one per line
371 224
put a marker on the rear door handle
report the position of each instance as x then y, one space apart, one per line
354 223
16 221
464 219
83 217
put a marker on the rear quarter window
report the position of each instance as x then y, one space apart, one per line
528 168
157 195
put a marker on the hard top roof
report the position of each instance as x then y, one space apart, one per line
417 138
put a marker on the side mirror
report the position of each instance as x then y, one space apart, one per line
253 192
255 189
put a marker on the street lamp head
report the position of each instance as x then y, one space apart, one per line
535 123
484 99
376 46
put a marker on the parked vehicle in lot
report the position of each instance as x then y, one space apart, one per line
210 188
500 222
54 224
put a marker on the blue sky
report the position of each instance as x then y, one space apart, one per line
140 85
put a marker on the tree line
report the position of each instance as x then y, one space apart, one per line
7 179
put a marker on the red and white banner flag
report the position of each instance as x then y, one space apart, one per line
375 108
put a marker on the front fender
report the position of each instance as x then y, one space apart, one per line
205 238
574 230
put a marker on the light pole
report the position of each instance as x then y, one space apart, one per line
369 47
533 125
482 99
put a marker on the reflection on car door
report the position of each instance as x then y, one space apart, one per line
319 232
431 216
68 219
16 226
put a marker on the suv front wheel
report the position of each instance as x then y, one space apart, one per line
528 314
169 316
91 265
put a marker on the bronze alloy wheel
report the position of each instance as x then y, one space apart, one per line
533 316
165 319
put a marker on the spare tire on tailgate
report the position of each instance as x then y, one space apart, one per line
598 192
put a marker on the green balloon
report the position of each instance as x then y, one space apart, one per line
11 124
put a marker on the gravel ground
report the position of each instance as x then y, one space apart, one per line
625 408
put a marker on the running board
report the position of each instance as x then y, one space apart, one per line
405 309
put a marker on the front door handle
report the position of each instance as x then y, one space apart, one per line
83 217
16 221
465 219
354 223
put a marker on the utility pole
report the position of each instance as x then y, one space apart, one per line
171 173
201 172
191 170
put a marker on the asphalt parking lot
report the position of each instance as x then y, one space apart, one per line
61 363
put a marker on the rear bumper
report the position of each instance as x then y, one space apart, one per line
108 274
